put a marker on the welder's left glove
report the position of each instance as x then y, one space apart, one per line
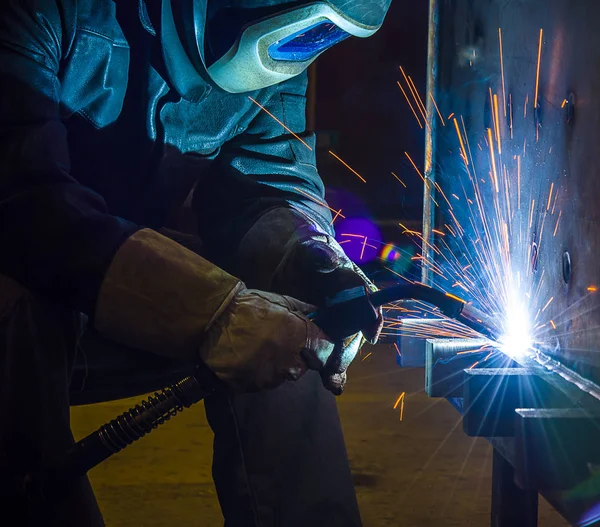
284 253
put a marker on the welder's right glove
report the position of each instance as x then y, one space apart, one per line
160 297
263 339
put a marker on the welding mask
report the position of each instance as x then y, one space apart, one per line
246 45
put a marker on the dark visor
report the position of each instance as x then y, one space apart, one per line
308 43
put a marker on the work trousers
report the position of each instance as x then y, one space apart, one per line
279 455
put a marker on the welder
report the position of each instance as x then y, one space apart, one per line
129 131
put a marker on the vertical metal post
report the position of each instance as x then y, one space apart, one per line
429 173
511 505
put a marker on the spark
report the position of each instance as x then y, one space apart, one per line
462 144
284 126
553 324
550 196
497 122
519 182
537 75
320 202
510 109
400 401
493 161
564 103
592 288
547 304
437 109
557 222
417 96
397 350
348 167
402 182
450 116
502 69
367 356
414 166
336 216
362 252
410 105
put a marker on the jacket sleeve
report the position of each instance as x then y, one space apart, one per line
56 236
270 164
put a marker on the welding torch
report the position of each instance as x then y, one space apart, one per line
342 316
348 311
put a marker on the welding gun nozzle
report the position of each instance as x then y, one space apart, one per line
478 321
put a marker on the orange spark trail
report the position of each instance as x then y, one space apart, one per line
362 252
502 68
519 182
398 401
553 324
531 214
322 203
462 144
414 166
547 304
557 222
510 109
420 106
287 129
335 217
409 104
437 109
493 159
367 356
348 167
537 75
550 196
417 95
403 184
497 119
592 288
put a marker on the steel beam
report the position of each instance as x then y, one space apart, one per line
555 448
511 505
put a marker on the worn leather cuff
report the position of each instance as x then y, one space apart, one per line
160 297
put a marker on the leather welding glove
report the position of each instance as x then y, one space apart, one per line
160 297
263 339
286 253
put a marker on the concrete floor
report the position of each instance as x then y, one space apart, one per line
418 472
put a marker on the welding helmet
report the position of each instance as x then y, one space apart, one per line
246 45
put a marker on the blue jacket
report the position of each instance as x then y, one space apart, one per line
95 143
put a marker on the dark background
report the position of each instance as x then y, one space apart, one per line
359 103
362 116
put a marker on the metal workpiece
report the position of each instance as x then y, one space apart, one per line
512 506
411 344
556 448
447 359
522 71
514 209
491 396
